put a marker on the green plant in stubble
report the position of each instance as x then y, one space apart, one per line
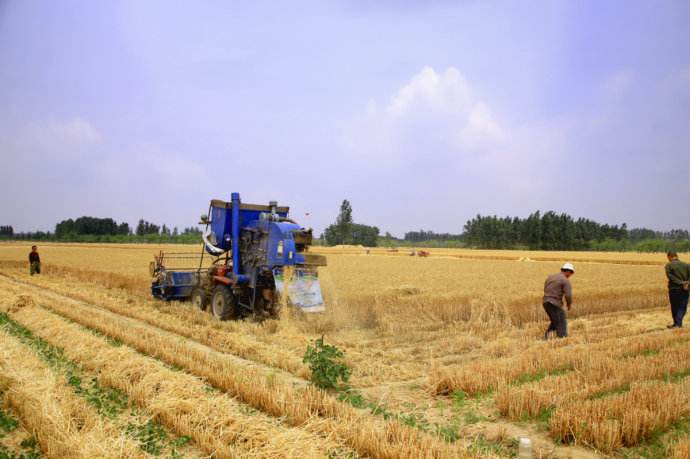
328 371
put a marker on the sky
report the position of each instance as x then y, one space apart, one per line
421 114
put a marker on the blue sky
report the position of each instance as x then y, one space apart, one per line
422 114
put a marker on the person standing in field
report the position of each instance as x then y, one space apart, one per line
678 274
34 261
556 287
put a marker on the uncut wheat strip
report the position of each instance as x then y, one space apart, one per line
193 324
598 376
626 419
271 392
487 374
217 423
64 425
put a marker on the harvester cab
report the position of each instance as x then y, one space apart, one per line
254 260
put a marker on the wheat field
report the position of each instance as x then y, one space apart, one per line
445 353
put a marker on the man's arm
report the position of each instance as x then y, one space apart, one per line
672 276
568 293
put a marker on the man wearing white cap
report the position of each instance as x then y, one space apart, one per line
556 287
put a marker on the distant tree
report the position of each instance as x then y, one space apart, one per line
548 231
345 231
341 231
6 231
123 229
146 228
89 226
365 235
677 235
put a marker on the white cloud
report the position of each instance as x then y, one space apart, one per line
435 115
438 146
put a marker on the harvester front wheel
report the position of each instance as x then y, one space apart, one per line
200 298
223 303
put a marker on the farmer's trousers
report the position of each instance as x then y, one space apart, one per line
559 323
35 268
679 305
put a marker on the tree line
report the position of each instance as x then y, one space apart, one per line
94 229
552 231
547 231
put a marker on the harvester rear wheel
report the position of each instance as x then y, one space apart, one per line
223 303
200 298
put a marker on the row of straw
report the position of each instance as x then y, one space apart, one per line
190 323
624 420
484 375
601 374
267 391
64 424
220 425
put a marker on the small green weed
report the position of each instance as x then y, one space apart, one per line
448 432
459 397
326 365
472 418
7 423
151 437
538 376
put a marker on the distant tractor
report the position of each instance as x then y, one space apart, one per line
258 260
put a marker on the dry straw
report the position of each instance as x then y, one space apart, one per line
266 390
221 426
63 423
622 420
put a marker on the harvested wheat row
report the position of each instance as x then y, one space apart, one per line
486 375
599 375
65 425
217 423
267 391
681 450
187 322
15 440
622 420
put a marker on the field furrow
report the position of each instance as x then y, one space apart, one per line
218 423
622 420
596 377
193 324
65 425
268 391
551 356
15 440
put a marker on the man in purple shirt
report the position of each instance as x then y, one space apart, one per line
556 287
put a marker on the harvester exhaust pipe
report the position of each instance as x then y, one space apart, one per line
239 278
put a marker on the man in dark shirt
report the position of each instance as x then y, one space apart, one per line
34 261
678 274
556 287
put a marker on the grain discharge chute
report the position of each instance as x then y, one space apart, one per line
254 259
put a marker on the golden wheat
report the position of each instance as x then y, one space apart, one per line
63 423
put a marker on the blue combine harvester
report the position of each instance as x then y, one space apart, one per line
257 260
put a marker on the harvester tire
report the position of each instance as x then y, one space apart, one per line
200 298
223 303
